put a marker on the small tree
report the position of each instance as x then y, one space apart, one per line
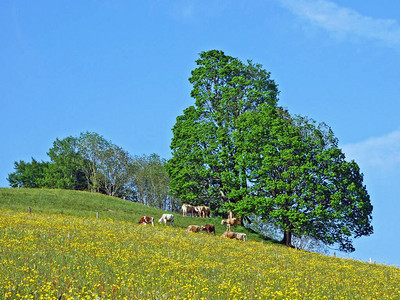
66 167
151 182
113 169
28 174
92 146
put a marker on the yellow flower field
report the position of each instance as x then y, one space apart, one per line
48 256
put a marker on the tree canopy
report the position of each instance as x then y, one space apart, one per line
235 149
90 162
205 166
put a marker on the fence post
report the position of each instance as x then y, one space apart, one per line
97 215
29 210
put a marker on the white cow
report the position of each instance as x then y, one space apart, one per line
188 209
231 222
166 218
241 236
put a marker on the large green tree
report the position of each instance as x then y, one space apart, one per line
236 149
300 179
204 167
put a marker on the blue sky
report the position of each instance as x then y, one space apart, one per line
121 69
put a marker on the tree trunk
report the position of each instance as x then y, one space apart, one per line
287 238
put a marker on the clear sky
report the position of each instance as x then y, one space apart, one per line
121 69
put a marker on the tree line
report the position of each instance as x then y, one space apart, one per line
92 163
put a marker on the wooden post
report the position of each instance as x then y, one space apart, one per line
29 210
97 215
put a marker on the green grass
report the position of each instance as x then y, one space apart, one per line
46 254
86 204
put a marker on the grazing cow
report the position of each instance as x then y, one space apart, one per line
188 209
241 236
208 228
231 222
235 235
146 220
203 211
167 218
193 228
229 235
198 210
207 212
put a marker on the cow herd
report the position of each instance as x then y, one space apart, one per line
202 212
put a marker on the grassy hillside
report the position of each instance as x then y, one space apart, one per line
47 254
86 204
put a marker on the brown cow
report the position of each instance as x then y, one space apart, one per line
146 220
203 211
231 222
208 228
206 211
229 235
188 209
235 235
193 228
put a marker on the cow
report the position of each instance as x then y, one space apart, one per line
229 235
235 235
207 212
193 228
147 220
208 228
198 210
231 222
241 236
167 218
203 211
188 209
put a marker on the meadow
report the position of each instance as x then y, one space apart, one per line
77 256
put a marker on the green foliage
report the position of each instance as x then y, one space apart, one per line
66 168
152 182
92 148
235 149
204 167
31 175
301 181
90 162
